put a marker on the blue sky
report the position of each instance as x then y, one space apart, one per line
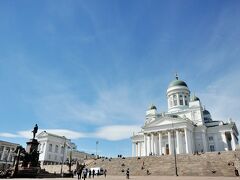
89 69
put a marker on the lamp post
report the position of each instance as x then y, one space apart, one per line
174 152
64 145
6 158
96 148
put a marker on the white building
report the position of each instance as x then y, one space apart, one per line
187 127
53 149
7 153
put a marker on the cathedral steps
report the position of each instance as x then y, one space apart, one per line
208 164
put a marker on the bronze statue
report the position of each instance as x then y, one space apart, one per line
35 131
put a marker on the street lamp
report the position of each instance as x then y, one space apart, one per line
6 158
96 148
64 145
174 152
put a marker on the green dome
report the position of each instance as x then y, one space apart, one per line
177 83
205 112
152 107
195 98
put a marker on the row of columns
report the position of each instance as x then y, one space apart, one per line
6 154
154 144
233 140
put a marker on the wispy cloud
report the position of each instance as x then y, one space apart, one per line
8 135
116 105
222 97
117 132
61 132
112 133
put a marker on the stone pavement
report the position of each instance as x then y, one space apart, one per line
150 178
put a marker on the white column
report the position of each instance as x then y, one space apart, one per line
140 148
192 141
152 143
224 139
160 143
233 143
186 140
178 101
215 139
133 149
181 134
184 100
136 149
145 144
3 153
169 143
178 142
9 152
204 142
149 145
156 150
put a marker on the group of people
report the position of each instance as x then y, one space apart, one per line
87 173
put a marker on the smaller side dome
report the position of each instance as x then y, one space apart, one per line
152 107
206 112
195 98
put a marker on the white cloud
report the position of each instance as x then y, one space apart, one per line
222 97
67 133
117 132
61 132
118 105
112 133
8 135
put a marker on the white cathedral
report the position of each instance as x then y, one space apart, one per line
187 127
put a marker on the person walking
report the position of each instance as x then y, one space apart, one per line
93 173
105 173
84 174
79 173
127 174
90 173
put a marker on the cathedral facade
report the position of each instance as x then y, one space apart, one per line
186 128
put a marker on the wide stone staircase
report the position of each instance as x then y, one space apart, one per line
207 164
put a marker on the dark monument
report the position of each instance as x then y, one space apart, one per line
29 158
26 162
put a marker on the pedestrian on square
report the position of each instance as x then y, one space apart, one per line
105 173
84 174
79 173
93 173
127 174
90 173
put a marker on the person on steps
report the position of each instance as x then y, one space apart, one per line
127 173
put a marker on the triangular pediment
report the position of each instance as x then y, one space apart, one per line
42 134
165 121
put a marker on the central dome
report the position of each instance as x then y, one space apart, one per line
177 82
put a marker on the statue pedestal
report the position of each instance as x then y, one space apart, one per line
32 145
30 165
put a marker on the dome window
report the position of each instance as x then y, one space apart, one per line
180 99
175 100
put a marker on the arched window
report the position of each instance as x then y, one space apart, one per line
62 150
186 100
50 148
56 149
181 99
175 100
170 101
43 146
